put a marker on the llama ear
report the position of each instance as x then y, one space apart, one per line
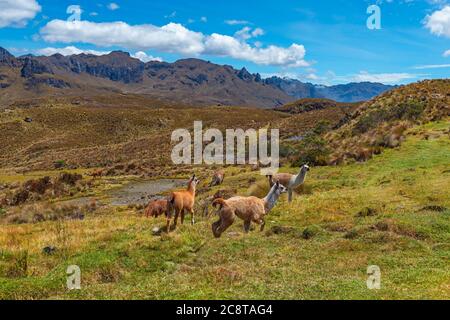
278 184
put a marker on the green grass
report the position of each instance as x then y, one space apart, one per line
121 259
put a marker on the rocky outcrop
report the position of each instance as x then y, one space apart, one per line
7 58
32 67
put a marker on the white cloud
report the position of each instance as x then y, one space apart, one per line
204 19
386 78
93 14
113 6
227 46
68 51
172 38
446 54
141 55
247 33
312 76
236 22
17 13
257 32
439 22
432 66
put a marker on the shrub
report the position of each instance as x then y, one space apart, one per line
38 186
58 164
69 178
310 232
313 150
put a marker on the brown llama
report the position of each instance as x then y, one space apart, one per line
97 173
181 202
156 208
217 179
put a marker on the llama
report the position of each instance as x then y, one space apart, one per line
97 173
182 201
290 181
217 178
247 208
156 208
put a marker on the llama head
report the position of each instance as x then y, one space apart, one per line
194 181
279 188
305 168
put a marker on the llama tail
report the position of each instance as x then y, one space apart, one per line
219 202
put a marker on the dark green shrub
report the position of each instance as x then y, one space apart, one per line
313 149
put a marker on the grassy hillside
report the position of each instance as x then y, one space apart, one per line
382 121
392 211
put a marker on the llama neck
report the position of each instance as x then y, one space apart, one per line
271 199
191 188
300 178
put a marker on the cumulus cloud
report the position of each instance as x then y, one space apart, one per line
227 46
439 22
17 13
172 38
446 54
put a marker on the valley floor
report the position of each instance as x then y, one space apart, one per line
392 211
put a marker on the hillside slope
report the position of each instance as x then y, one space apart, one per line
382 121
392 211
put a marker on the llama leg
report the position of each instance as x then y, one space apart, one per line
168 225
226 220
183 211
290 195
262 223
177 213
215 226
247 226
192 217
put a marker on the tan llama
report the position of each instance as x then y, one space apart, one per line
249 209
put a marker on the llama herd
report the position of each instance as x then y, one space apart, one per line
249 209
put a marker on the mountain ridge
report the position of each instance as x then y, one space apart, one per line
189 81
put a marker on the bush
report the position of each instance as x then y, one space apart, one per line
310 232
58 164
312 150
69 178
38 186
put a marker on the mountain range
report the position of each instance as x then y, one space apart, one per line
188 81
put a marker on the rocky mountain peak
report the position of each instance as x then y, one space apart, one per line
7 58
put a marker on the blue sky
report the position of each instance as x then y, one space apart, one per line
317 41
